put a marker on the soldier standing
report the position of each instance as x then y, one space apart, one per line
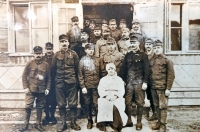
136 31
89 80
161 77
65 73
135 72
124 42
36 81
50 106
115 33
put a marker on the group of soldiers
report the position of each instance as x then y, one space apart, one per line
112 69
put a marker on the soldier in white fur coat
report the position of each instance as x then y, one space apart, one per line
111 104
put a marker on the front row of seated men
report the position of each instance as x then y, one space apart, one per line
110 82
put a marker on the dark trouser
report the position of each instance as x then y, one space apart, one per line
160 102
50 105
117 120
149 97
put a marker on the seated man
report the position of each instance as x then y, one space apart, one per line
111 104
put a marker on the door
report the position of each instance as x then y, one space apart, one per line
62 14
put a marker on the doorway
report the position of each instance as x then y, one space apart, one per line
109 11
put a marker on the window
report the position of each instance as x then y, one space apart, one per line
30 26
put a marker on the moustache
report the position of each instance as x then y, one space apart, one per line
64 45
38 57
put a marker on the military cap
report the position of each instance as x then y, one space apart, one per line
74 19
63 36
125 29
89 46
110 65
157 43
83 33
122 21
37 49
104 22
135 21
106 29
110 40
93 22
133 38
48 45
149 40
112 20
97 28
86 18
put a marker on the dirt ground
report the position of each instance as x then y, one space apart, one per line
180 119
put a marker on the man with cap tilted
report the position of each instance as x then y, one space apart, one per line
161 80
112 56
150 52
74 35
100 47
111 104
136 31
65 73
36 81
135 72
89 74
124 42
50 106
114 32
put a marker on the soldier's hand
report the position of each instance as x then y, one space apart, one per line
144 86
46 92
84 90
26 90
167 92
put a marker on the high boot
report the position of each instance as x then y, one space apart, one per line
139 117
74 126
26 121
128 112
53 119
63 126
163 115
46 120
153 117
89 116
157 126
38 120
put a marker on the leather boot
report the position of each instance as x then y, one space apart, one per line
38 120
46 120
128 112
153 117
89 116
139 117
53 119
101 126
26 121
63 126
163 115
157 126
75 126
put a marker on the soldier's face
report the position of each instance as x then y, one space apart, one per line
89 51
92 26
75 23
64 44
97 32
105 34
135 26
104 26
49 51
38 56
134 45
122 25
84 37
111 46
87 23
148 47
112 25
111 71
158 50
125 34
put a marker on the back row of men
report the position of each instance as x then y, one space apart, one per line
105 76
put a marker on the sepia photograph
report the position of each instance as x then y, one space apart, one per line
99 65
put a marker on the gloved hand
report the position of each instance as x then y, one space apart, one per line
84 90
167 92
144 86
26 90
46 92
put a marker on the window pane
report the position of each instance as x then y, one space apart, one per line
62 29
21 17
176 15
62 15
71 13
176 39
39 15
22 40
194 27
40 37
3 40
